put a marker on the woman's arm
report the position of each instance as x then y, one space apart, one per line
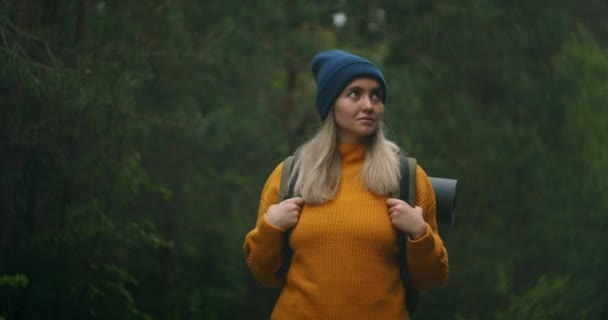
263 244
427 257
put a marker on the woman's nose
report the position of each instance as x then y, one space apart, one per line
367 103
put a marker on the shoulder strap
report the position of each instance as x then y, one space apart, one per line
407 192
407 182
284 188
285 192
412 181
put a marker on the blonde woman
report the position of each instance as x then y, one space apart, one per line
343 223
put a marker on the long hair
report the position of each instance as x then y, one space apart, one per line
318 164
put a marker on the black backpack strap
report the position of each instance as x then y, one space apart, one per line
407 181
411 196
285 192
407 192
284 188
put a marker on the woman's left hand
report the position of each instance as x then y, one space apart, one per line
406 218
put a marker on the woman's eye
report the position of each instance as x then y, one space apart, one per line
376 96
353 94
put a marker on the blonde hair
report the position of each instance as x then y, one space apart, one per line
317 166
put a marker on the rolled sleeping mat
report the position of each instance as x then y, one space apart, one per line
446 191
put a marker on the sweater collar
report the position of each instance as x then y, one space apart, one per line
351 152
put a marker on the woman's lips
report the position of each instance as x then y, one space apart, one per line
366 119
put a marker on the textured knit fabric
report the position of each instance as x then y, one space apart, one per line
334 70
345 263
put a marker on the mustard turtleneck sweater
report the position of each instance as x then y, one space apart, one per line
345 251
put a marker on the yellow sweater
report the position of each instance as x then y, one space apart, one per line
345 253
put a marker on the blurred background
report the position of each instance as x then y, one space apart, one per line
136 136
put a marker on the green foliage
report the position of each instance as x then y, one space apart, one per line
549 298
14 281
539 302
585 63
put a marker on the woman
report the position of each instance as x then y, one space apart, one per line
344 223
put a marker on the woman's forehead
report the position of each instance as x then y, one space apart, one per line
364 82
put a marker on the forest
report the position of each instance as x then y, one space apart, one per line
136 137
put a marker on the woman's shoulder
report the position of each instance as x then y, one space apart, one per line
270 192
281 171
277 171
425 194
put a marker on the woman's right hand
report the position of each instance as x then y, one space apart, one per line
285 214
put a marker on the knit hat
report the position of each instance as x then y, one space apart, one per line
334 70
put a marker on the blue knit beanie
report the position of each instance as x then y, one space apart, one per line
334 70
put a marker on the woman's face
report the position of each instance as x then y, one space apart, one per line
358 110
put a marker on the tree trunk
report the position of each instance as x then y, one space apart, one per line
81 16
22 14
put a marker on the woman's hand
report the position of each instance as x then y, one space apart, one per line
285 214
406 218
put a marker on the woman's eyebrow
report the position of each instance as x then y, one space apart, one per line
356 87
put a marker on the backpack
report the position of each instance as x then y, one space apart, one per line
408 182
